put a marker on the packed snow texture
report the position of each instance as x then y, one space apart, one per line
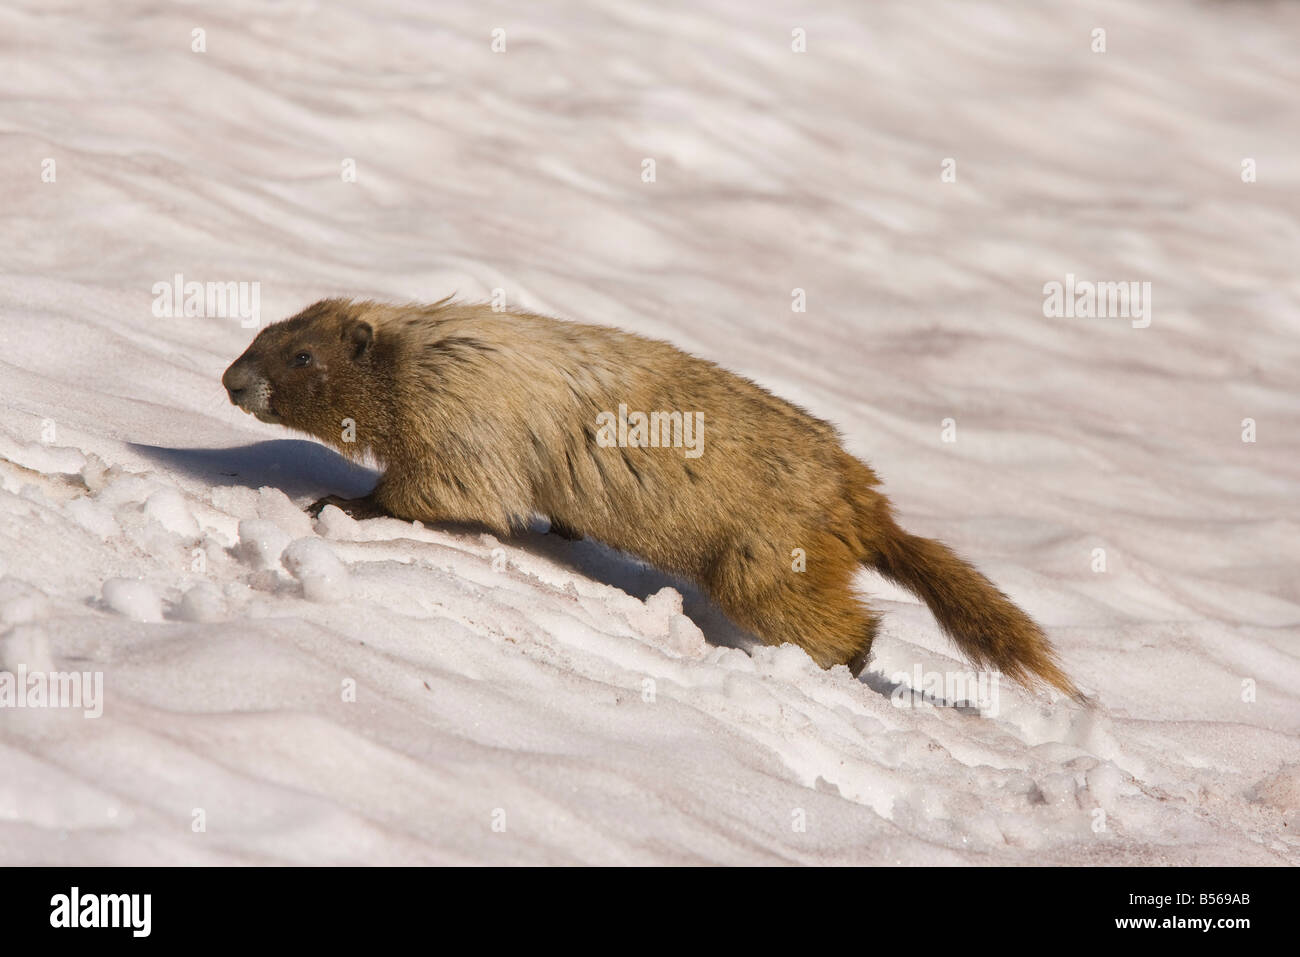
283 690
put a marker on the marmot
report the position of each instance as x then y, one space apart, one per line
495 417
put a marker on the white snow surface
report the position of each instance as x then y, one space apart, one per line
278 690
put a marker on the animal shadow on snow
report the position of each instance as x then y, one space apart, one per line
306 471
296 467
886 687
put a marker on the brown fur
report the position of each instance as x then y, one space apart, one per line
491 417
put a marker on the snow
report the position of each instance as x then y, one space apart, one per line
133 599
283 690
323 577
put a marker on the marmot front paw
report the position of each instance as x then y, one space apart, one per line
358 508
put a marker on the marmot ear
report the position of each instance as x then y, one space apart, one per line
361 335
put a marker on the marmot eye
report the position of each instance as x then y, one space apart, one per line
302 359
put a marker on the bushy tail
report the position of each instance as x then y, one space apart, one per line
986 626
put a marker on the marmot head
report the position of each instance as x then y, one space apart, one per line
310 372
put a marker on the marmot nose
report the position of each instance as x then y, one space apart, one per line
236 382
